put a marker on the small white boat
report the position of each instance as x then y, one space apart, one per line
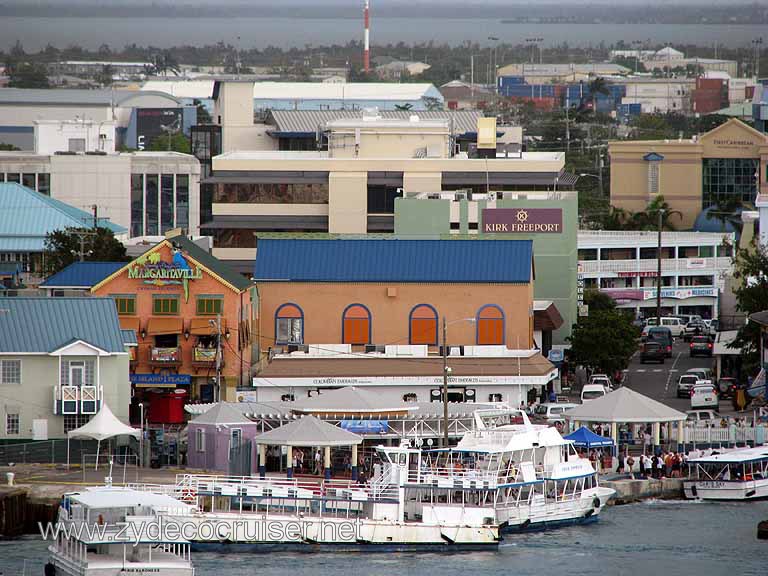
108 531
735 475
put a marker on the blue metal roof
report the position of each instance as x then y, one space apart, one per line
42 325
82 274
455 261
129 337
28 216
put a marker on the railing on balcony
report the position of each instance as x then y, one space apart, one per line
690 265
77 399
165 355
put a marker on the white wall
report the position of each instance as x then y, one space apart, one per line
52 137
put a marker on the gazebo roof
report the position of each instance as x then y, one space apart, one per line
308 431
222 413
350 400
624 405
102 426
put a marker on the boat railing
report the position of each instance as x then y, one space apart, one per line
448 477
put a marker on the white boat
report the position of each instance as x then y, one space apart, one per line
735 475
105 531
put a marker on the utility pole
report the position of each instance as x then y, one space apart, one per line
658 271
217 392
445 383
95 208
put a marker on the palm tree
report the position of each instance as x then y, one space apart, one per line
598 86
648 218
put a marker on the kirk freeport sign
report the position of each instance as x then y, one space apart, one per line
522 221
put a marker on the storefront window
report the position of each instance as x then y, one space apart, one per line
151 205
289 325
166 202
137 205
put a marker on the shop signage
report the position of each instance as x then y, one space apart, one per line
160 380
637 274
406 381
734 143
153 270
365 426
681 293
696 263
522 220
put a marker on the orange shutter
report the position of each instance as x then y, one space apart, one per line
490 331
356 331
423 331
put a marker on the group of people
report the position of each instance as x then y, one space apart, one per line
663 465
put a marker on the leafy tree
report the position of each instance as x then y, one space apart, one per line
62 247
404 107
203 116
178 143
605 339
8 147
106 76
750 270
598 86
27 75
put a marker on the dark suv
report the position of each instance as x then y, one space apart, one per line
701 346
652 352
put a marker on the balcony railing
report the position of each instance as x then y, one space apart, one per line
165 355
77 399
688 265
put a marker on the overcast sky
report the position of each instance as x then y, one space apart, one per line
374 3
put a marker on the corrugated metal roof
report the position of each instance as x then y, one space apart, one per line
28 216
30 96
129 337
221 269
308 121
81 274
464 261
43 325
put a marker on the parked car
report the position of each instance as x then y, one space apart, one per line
550 413
675 325
652 352
704 395
663 336
702 373
695 328
703 416
687 318
601 379
701 346
727 386
592 391
685 384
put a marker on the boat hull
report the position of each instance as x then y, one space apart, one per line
726 490
544 516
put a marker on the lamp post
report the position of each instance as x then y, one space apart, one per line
492 61
598 177
446 373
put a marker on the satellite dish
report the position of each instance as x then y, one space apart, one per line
429 442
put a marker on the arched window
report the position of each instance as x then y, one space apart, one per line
356 325
423 325
490 325
289 325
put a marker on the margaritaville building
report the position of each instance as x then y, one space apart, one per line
191 314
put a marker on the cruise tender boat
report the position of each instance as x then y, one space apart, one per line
735 475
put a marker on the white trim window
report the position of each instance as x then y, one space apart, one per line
200 439
235 438
10 372
12 424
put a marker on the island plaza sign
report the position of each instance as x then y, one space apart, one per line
522 221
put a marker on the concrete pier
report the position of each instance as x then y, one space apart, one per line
628 491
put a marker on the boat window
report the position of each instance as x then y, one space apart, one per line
403 459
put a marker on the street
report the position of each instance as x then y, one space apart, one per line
659 381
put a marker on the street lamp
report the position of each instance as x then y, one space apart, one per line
598 177
492 61
446 372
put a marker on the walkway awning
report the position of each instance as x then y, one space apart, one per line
206 326
722 344
158 326
129 323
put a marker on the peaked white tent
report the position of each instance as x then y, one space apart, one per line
102 426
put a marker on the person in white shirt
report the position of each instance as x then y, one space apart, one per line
318 467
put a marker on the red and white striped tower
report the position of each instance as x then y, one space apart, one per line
366 39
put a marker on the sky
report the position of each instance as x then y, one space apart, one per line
394 2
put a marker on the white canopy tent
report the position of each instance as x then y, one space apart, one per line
102 426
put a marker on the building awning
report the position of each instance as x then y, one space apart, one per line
158 326
723 342
129 323
546 316
203 327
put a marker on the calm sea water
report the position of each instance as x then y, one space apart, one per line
35 33
652 538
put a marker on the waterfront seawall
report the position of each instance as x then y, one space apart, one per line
628 491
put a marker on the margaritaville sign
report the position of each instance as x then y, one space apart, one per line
522 220
153 270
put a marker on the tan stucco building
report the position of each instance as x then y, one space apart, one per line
723 165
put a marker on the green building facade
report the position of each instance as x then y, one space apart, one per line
548 218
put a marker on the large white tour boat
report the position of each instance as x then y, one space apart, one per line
735 475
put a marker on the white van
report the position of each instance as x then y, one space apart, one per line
675 325
592 391
550 412
704 395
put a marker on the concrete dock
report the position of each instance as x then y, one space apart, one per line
628 491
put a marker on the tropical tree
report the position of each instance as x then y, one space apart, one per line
648 219
163 63
63 247
598 86
750 271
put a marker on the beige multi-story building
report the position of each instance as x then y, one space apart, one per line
721 167
351 187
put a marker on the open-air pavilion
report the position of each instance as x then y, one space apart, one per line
625 406
102 426
308 432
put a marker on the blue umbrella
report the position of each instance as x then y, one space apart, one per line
585 438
